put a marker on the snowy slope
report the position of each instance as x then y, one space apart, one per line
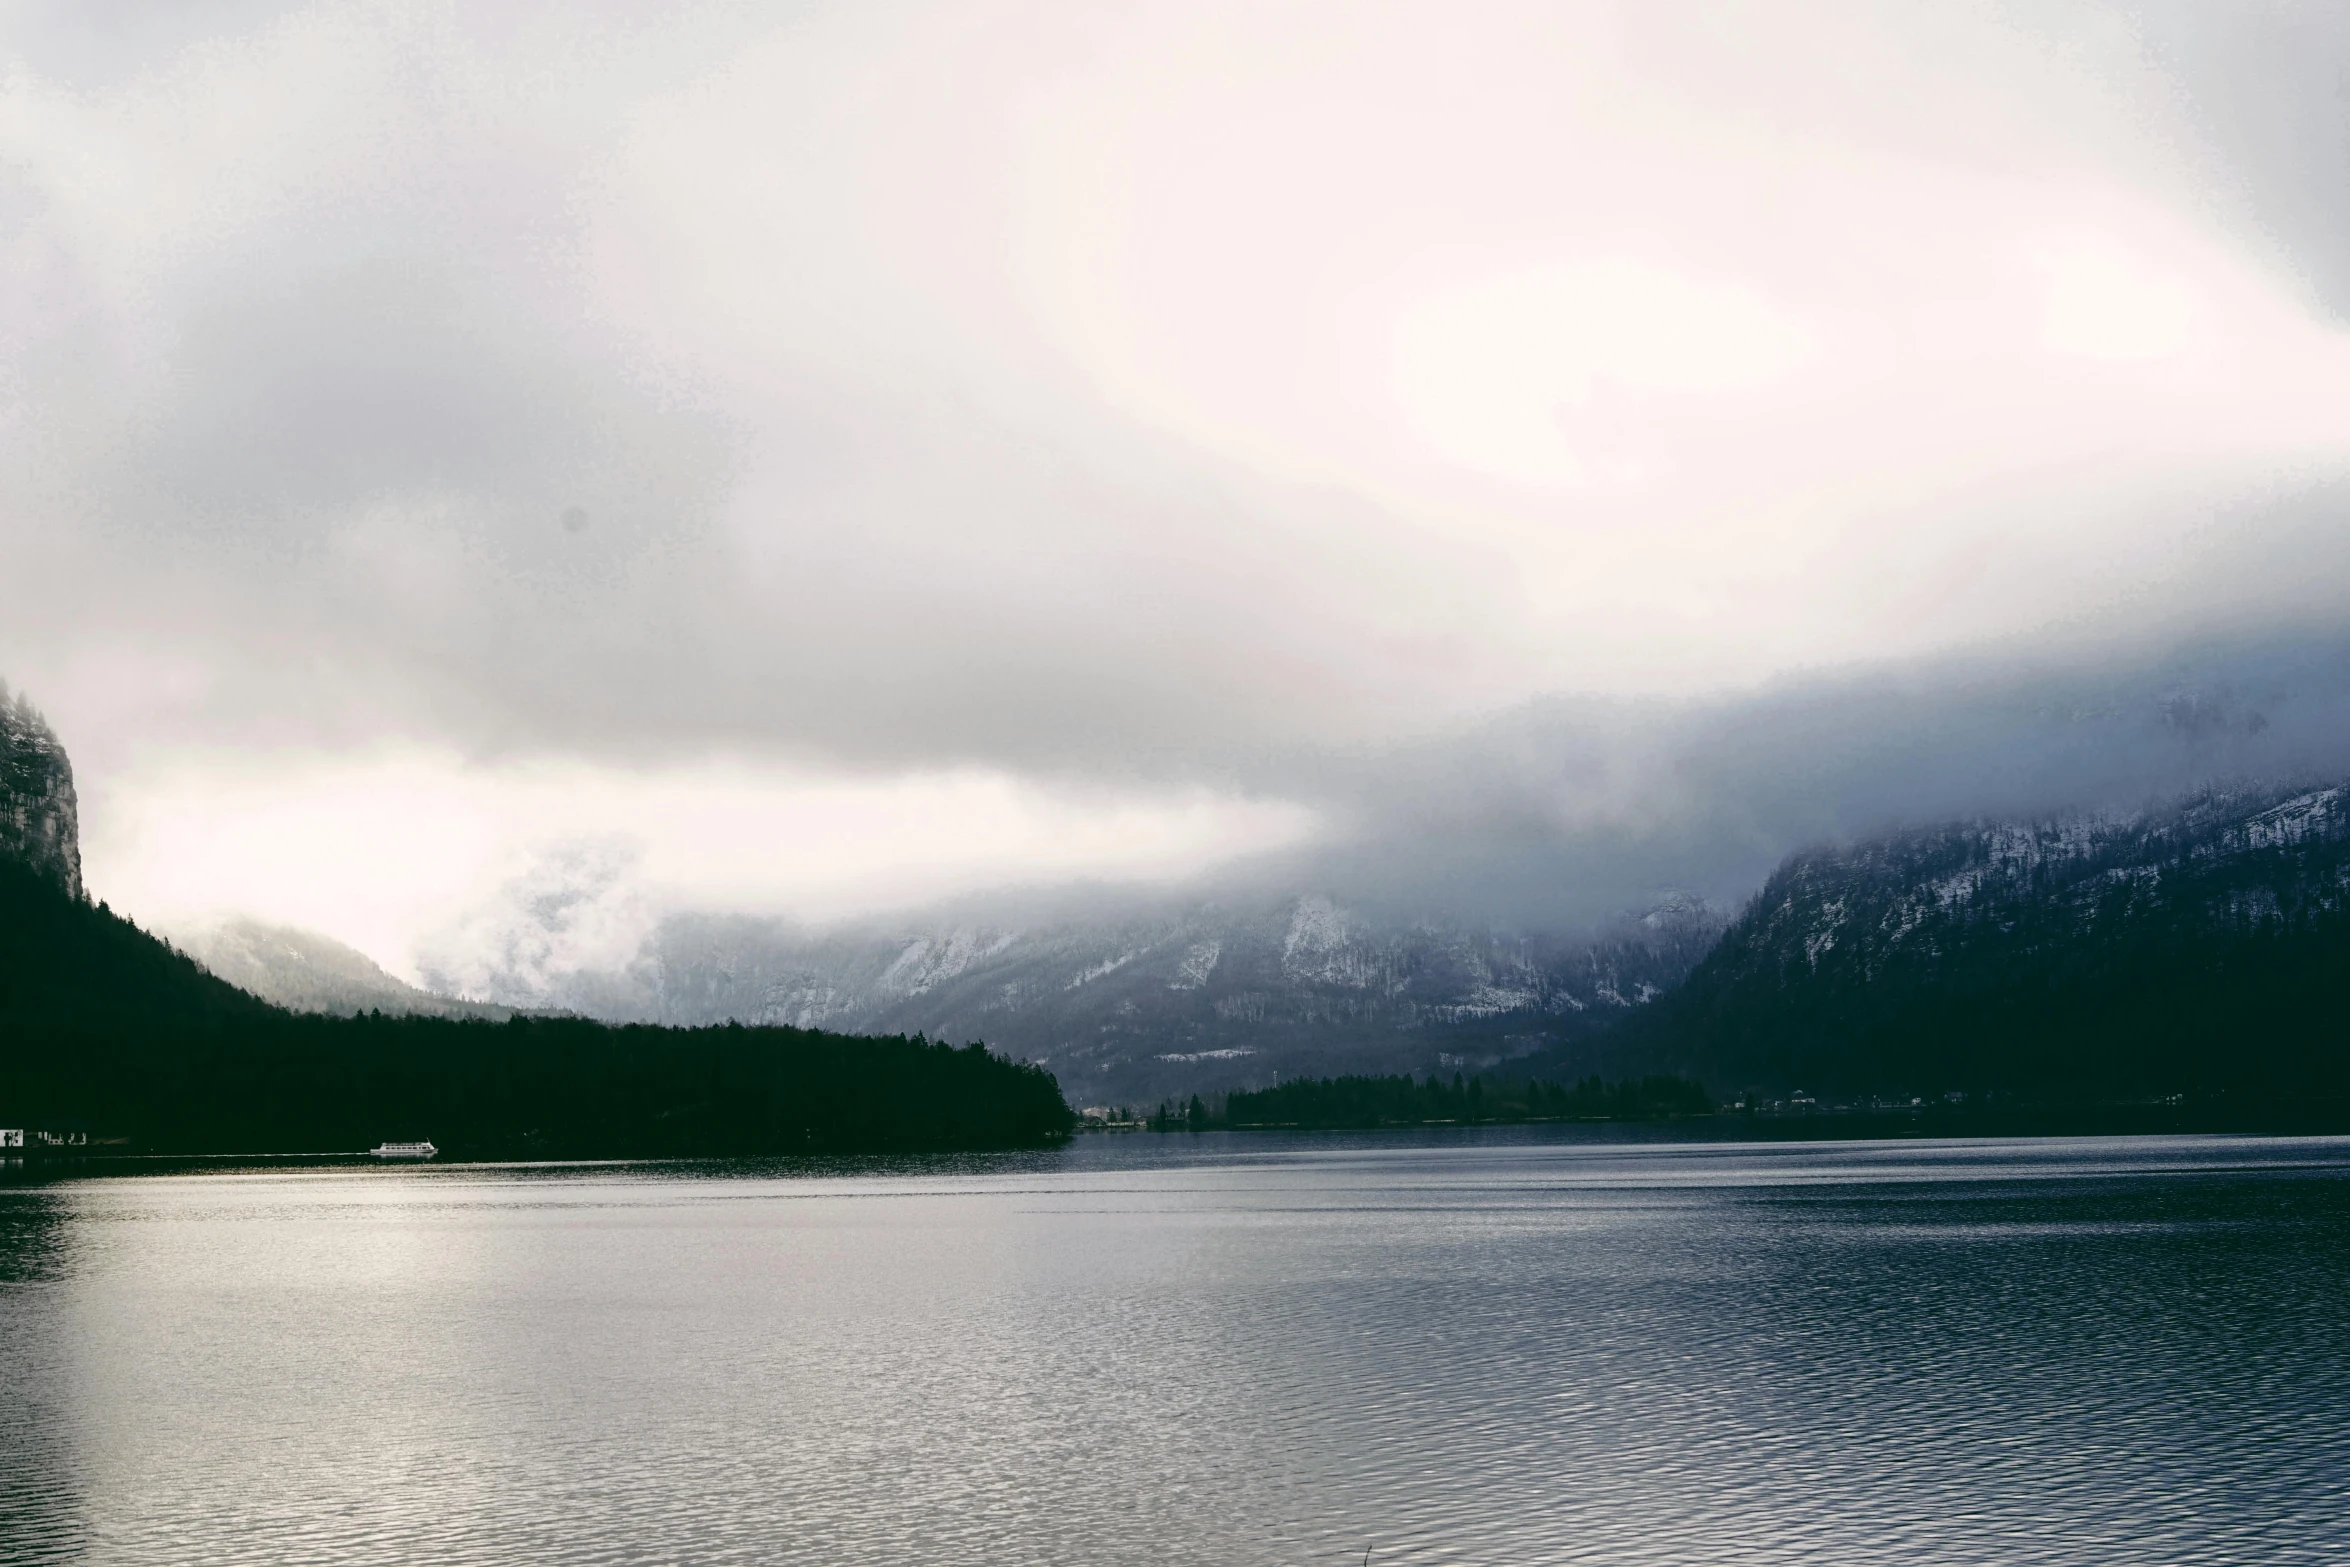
2203 943
1124 1009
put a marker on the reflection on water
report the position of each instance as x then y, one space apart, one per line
38 1486
1465 1349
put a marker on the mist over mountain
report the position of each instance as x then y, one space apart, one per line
1137 999
2195 945
1563 813
303 971
1466 888
1472 900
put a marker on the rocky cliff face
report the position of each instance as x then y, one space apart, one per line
39 823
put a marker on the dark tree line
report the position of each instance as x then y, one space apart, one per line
1361 1102
104 1027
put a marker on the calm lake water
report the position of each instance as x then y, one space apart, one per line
1197 1350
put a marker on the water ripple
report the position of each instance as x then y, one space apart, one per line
1225 1351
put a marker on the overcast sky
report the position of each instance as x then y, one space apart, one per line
833 456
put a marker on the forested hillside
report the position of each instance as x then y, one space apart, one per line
2202 950
104 1028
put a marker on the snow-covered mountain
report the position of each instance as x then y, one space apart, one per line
2204 946
1129 1007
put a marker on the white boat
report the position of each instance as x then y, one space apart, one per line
405 1150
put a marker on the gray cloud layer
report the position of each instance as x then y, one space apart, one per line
1567 813
345 449
2262 81
1561 818
320 471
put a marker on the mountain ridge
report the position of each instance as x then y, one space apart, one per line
2202 946
1204 997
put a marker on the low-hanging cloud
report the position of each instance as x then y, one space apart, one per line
1568 813
1566 817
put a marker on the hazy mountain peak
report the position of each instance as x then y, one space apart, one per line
306 972
1129 1002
